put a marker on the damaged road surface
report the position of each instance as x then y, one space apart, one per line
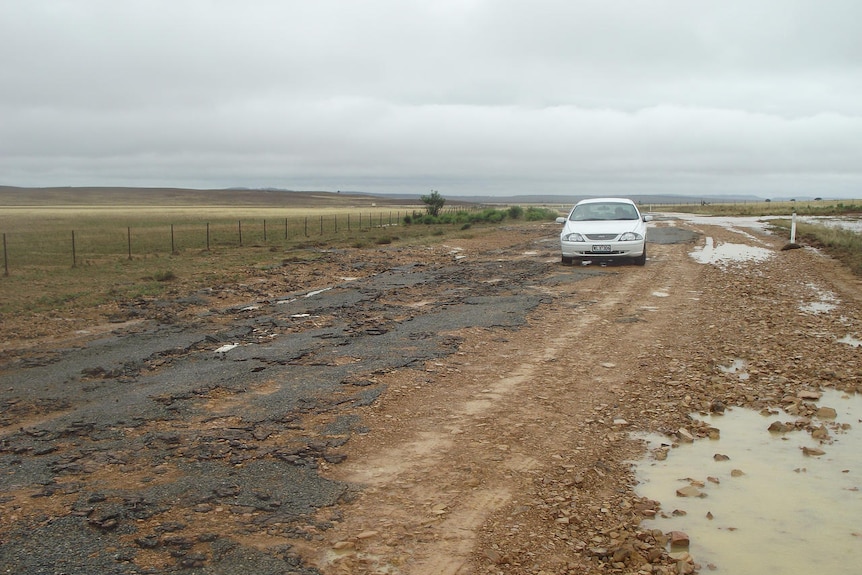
455 409
174 445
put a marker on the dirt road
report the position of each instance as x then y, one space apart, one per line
460 409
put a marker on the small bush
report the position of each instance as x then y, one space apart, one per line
488 215
534 214
164 276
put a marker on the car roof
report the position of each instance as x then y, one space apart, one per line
602 200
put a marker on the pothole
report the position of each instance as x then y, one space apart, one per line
761 501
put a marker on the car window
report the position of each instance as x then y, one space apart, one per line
603 211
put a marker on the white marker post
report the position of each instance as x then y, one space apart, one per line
793 229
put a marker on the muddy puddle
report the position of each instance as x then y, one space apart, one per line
760 501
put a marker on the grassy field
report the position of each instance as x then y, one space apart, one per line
802 208
62 236
64 256
843 245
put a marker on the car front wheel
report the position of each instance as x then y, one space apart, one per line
567 260
641 259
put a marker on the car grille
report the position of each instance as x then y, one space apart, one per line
601 237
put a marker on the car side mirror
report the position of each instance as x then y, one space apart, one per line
647 218
561 220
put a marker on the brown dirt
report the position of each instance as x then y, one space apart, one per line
513 455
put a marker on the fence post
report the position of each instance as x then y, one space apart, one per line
239 226
306 226
173 249
348 221
264 230
285 228
74 255
129 240
208 236
5 257
335 219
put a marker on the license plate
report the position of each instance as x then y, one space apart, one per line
602 248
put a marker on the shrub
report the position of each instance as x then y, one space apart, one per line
516 212
164 276
433 203
534 214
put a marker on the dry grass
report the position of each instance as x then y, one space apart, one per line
802 208
120 254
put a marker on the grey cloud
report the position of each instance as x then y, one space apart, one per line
482 96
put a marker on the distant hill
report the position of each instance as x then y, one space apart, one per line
96 196
639 198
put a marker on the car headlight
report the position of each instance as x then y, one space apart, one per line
630 237
574 238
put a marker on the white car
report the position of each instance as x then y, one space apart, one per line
604 229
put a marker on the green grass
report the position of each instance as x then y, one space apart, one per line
485 215
843 245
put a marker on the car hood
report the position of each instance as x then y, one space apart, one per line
605 227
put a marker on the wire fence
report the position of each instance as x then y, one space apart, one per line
49 247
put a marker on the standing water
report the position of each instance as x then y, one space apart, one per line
760 501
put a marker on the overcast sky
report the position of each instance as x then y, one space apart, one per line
759 97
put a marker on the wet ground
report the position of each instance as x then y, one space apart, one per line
450 409
233 411
771 493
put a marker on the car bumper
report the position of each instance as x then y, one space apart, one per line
591 249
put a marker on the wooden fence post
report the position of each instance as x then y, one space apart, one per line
5 257
74 255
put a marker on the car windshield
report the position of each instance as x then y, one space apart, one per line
603 211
